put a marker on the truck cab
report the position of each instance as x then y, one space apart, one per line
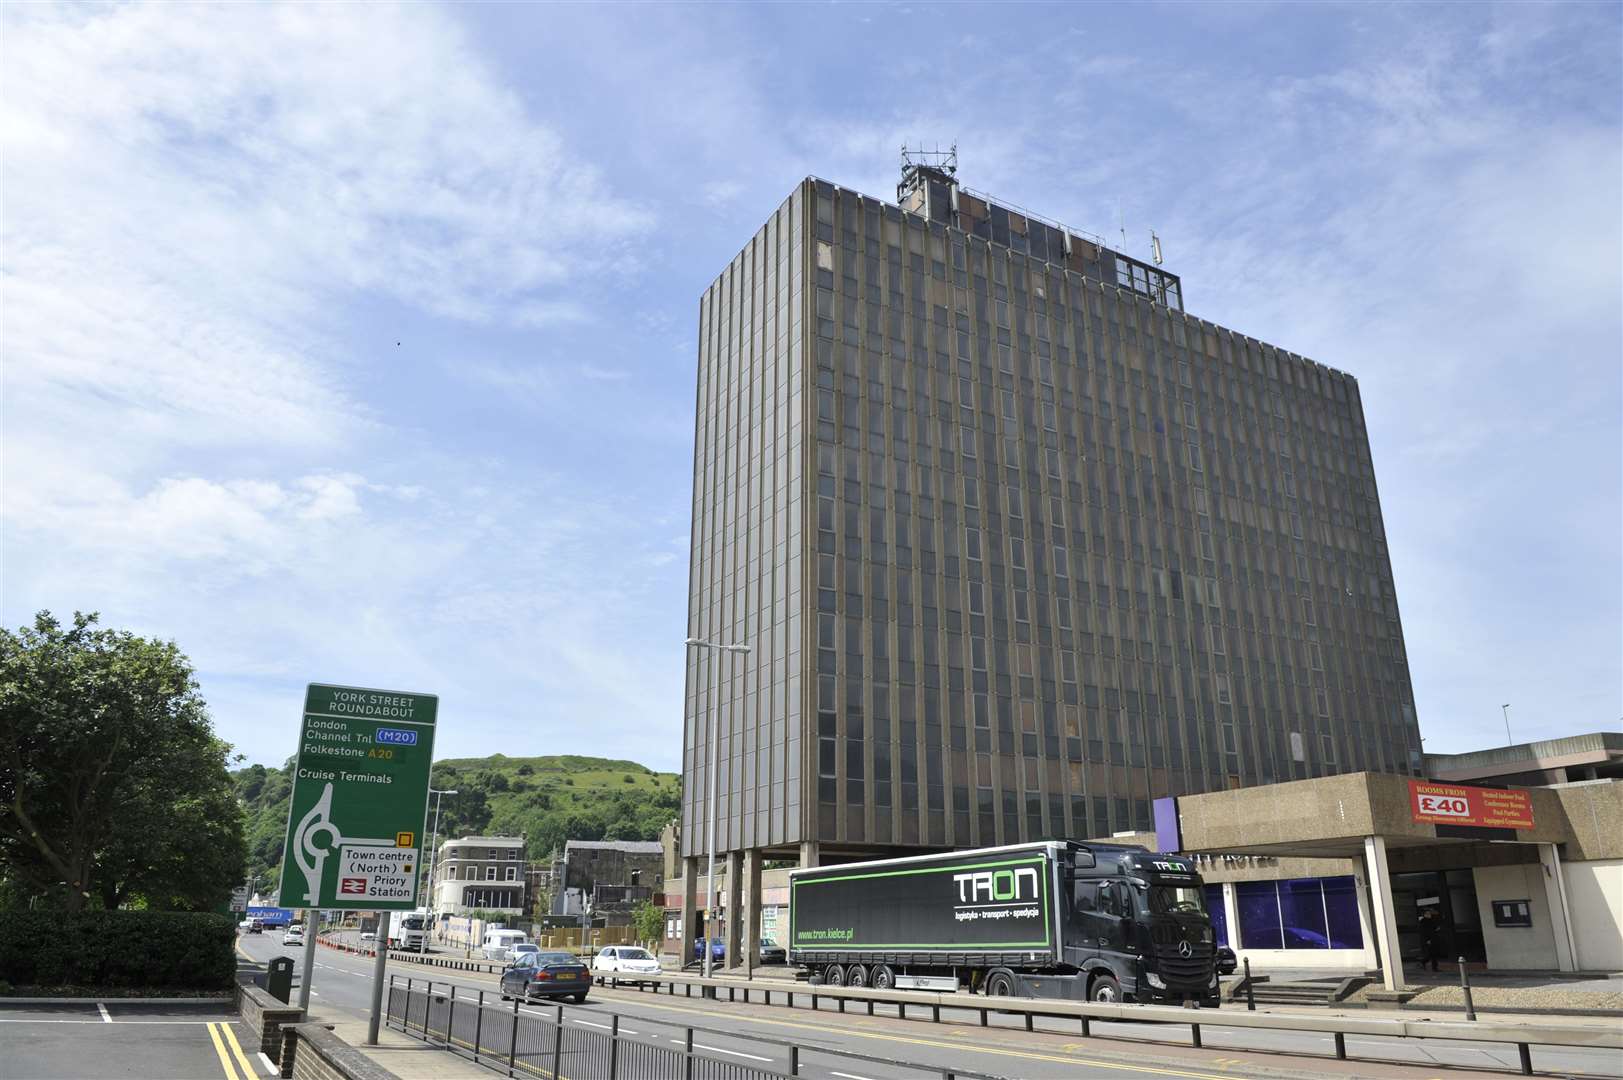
1137 926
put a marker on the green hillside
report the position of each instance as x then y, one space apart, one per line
547 800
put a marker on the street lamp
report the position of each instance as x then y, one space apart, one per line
433 857
1506 710
710 843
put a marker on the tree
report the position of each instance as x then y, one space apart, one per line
113 783
649 921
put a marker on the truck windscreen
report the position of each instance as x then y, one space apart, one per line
1175 899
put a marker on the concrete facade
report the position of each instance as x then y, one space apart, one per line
1595 896
1018 546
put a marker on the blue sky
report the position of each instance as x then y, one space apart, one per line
355 344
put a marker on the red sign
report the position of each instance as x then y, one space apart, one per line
1453 804
352 886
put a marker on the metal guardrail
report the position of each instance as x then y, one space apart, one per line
1522 1036
514 1041
453 963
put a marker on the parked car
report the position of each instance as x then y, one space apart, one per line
369 935
520 950
1226 963
293 935
718 950
623 961
547 974
773 953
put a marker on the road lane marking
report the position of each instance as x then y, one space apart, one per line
720 1050
181 1023
849 1076
236 1048
225 1059
270 1066
606 1027
1021 1054
105 1015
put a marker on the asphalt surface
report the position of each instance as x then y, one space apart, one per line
118 1040
759 1035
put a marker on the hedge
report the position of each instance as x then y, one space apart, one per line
126 950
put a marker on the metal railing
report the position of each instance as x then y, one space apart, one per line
522 1040
909 1003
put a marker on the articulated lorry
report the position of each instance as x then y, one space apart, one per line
409 930
1056 919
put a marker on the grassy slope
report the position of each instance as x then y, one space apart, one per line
547 800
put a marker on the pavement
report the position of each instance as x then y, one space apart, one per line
125 1040
892 1049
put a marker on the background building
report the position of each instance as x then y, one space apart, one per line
1018 546
480 873
604 880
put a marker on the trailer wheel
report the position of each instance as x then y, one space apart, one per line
882 977
834 975
1000 983
1105 990
856 976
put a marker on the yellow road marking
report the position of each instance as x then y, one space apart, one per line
1022 1054
225 1059
248 1072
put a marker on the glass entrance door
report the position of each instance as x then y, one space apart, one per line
1454 893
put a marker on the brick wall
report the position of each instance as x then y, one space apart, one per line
311 1052
267 1015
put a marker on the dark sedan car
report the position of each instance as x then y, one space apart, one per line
547 974
773 953
1226 963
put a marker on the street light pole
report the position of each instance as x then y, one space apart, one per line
710 843
1506 710
433 857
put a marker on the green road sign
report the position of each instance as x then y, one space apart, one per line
360 799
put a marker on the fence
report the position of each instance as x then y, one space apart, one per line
909 1003
526 1041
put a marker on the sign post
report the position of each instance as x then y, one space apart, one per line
359 803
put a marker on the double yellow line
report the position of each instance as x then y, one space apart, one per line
223 1036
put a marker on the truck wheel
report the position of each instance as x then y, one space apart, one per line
834 976
1105 990
1000 983
882 977
856 976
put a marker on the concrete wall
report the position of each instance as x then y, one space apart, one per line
1595 903
1511 948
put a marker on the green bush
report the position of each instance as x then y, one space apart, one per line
126 950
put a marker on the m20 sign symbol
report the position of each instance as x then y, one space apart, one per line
1445 806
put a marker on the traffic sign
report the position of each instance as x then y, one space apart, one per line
360 799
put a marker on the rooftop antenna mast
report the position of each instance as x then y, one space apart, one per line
944 163
1155 248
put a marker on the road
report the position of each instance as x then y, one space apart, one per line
127 1041
752 1034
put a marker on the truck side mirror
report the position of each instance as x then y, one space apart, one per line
1083 860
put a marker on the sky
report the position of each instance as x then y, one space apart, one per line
356 344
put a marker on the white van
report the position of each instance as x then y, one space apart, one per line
498 943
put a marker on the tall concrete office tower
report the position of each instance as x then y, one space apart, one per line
1018 545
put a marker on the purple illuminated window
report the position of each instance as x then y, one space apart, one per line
1218 912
